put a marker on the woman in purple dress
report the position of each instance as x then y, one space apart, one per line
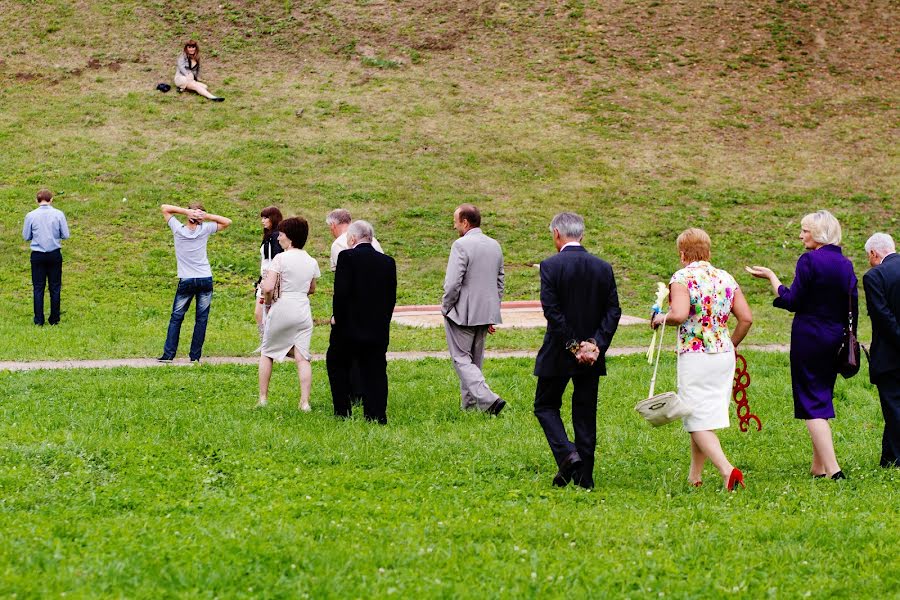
824 287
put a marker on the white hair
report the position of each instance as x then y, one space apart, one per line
569 225
361 232
823 226
339 216
881 243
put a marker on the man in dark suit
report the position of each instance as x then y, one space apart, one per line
581 305
882 285
365 291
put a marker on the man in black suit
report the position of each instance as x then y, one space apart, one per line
365 291
882 285
581 305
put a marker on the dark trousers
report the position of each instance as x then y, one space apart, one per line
46 269
548 401
889 393
357 387
202 288
372 362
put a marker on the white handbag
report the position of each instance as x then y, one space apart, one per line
661 408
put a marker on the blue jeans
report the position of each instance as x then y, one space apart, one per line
202 288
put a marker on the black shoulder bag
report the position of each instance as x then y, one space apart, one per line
848 355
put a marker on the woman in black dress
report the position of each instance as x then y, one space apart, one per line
270 217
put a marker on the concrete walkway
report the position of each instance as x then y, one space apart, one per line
112 363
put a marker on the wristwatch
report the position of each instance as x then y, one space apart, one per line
572 346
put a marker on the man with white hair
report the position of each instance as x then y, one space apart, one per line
338 222
882 286
365 291
581 304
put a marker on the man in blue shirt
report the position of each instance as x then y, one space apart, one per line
44 227
194 274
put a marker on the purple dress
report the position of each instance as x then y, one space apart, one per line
818 299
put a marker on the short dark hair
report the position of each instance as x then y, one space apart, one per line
297 230
196 205
44 196
470 213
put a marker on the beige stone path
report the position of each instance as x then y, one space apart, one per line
515 314
518 313
252 360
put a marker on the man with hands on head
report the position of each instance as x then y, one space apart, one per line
194 273
581 305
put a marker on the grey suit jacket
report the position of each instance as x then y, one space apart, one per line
473 285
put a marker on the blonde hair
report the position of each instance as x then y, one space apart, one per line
823 226
695 244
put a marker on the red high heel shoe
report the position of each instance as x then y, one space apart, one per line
734 479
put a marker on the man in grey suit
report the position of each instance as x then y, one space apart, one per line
473 288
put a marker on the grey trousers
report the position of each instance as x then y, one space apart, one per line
466 345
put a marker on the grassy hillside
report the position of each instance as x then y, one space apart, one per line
647 118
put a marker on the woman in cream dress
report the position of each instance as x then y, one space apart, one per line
288 322
701 298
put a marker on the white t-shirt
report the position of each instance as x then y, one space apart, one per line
190 248
340 244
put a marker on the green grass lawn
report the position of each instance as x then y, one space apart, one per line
165 483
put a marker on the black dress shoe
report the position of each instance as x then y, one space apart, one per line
839 475
496 407
568 467
582 479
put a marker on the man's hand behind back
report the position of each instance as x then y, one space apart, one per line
587 354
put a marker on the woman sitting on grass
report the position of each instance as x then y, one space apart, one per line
187 72
701 297
289 324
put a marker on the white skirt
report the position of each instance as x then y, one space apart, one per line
705 381
288 325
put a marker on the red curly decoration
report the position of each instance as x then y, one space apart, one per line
739 393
